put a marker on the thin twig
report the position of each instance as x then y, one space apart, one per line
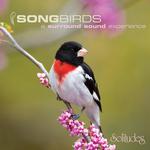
23 51
6 42
87 138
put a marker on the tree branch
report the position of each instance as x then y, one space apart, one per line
15 45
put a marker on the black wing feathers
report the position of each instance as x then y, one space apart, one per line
91 83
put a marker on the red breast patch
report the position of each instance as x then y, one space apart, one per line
62 68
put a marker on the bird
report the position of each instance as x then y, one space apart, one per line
73 81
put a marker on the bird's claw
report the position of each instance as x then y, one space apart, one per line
75 116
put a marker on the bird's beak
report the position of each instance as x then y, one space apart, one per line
82 52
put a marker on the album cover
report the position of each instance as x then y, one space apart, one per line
74 74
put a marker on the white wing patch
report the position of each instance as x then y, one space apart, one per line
88 77
95 96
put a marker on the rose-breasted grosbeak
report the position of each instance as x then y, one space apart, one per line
73 80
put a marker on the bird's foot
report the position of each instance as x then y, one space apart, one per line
75 116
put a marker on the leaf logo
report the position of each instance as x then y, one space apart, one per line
12 17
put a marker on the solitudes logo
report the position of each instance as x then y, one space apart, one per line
125 138
32 18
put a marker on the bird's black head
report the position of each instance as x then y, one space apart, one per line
71 52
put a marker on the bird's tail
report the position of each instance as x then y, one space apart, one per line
93 114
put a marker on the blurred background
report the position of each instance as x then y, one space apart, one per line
120 60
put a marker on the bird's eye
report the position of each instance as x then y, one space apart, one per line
76 49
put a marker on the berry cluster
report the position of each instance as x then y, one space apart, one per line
91 139
43 79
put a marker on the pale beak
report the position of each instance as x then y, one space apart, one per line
82 52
